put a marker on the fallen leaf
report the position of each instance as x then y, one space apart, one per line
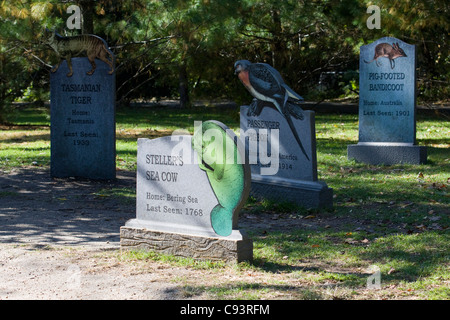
348 234
309 217
315 246
406 204
435 226
420 175
350 241
285 257
365 241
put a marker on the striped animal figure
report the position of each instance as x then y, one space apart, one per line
75 46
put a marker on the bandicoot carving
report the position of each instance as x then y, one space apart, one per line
385 50
74 46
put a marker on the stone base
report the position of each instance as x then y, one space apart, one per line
387 154
188 246
308 194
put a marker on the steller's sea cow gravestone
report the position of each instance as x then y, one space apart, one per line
189 192
387 105
83 121
280 140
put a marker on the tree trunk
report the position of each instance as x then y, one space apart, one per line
183 88
278 46
87 10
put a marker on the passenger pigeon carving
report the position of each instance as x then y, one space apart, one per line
266 84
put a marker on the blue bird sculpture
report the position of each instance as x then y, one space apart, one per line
266 84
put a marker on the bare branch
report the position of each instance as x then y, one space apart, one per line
143 42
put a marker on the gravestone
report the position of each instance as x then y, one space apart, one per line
280 170
188 206
387 105
83 121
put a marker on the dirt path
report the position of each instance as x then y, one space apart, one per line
59 239
54 235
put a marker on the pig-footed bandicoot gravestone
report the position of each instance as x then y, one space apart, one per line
387 105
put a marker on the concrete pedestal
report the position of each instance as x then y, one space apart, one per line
387 154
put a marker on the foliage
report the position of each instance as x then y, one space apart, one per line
175 48
424 23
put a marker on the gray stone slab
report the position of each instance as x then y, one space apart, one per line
186 245
179 192
83 121
308 194
296 178
387 94
379 154
290 162
172 193
387 105
190 189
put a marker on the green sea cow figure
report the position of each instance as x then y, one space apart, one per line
228 175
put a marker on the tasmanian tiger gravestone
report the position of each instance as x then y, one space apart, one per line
83 120
280 140
387 105
189 192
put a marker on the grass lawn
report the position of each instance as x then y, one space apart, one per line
395 218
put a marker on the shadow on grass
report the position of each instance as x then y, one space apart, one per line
327 254
174 118
254 291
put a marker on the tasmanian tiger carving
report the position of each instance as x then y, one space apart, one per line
75 46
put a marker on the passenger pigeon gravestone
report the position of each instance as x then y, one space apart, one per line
188 196
280 139
387 105
280 170
83 121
